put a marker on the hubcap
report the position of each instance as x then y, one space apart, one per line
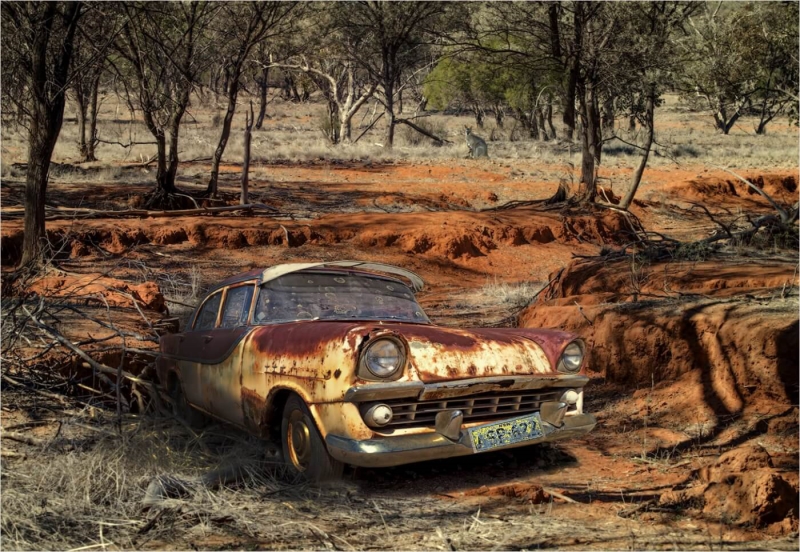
298 436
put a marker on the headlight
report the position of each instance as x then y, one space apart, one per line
572 357
384 357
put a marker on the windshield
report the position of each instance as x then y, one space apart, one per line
335 296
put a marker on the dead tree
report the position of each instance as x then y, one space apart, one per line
158 50
38 43
241 27
386 39
248 127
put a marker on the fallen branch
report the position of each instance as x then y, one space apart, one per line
785 217
714 220
423 131
20 438
99 367
557 494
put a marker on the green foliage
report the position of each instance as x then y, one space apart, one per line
468 82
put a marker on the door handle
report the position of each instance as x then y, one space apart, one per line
207 338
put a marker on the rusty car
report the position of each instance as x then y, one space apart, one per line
339 363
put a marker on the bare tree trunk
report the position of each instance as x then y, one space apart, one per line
263 88
637 176
161 161
40 148
591 140
80 100
173 161
93 105
574 72
725 123
608 114
92 143
390 122
233 93
533 125
346 129
499 115
248 127
540 124
47 116
549 116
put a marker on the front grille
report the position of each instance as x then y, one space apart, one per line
479 407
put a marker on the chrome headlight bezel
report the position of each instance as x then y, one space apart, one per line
368 370
566 362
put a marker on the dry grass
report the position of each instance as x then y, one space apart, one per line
292 133
510 296
86 487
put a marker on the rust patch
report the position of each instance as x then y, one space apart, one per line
337 373
301 339
254 409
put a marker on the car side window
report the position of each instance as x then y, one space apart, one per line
207 316
237 306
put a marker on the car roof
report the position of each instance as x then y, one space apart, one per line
273 272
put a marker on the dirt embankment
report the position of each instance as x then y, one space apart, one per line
454 235
113 291
655 322
732 191
712 348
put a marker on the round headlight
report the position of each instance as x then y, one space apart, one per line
572 357
384 358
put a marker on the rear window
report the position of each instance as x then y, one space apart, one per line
208 314
237 306
335 296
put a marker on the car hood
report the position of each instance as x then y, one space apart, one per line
435 353
439 354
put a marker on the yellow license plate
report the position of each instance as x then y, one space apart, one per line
507 432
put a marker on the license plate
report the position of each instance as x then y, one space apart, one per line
507 432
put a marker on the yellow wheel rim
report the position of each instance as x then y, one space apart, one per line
298 436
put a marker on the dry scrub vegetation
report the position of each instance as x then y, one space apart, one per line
693 338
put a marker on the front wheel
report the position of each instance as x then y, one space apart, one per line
304 451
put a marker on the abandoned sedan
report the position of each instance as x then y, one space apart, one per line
338 361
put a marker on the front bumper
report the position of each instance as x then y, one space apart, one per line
394 451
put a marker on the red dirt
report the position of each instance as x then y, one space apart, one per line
452 235
115 292
689 361
714 366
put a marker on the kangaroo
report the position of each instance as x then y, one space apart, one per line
476 144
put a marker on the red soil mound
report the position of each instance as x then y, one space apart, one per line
452 235
743 487
94 286
731 191
688 321
712 366
524 492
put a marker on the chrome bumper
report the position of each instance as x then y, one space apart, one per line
394 451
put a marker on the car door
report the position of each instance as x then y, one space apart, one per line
192 345
220 375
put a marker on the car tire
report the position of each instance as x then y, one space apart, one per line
304 451
182 409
